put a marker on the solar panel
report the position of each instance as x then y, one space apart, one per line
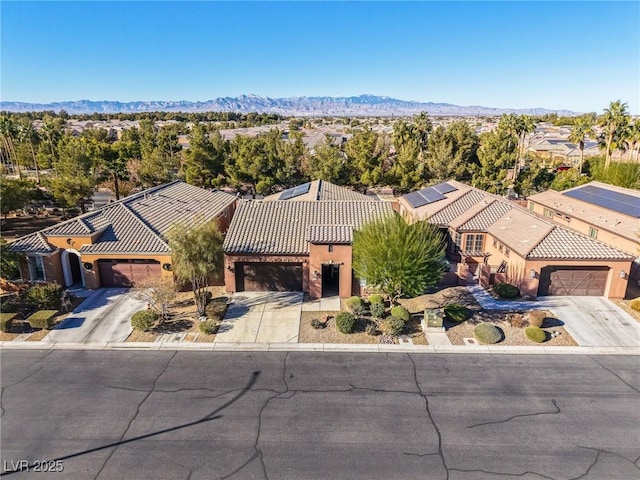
431 195
415 199
618 202
444 188
287 194
301 189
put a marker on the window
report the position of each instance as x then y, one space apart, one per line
331 248
593 232
458 240
500 247
531 206
36 268
506 252
474 243
548 213
495 243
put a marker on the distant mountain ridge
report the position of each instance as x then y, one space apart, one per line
361 105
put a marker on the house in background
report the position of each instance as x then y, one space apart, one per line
122 242
604 212
493 240
298 240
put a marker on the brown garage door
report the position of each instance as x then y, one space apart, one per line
268 277
589 281
124 273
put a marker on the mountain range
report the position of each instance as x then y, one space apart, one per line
361 105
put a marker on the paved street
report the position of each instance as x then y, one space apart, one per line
299 415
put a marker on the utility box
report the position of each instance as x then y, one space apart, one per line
433 319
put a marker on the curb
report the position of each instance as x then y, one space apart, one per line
322 347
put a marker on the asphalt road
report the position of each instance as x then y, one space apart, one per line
204 415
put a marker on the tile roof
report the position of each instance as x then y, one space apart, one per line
600 217
284 227
330 234
562 243
429 210
481 221
139 223
33 243
520 231
321 190
469 200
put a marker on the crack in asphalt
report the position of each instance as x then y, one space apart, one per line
519 416
4 388
600 451
135 415
615 375
440 452
504 474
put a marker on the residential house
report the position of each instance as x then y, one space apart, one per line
493 240
299 239
122 242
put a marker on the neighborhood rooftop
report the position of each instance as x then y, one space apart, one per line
319 190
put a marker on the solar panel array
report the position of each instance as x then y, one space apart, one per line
618 202
294 192
429 195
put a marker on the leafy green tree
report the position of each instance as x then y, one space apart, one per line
400 258
567 179
496 156
625 175
614 122
71 190
407 166
581 130
534 179
453 152
196 252
368 152
27 135
632 140
204 160
9 266
328 163
15 194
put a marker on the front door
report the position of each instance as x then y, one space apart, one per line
330 280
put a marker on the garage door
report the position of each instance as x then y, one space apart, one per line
124 273
268 277
587 281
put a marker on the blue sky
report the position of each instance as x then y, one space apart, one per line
574 55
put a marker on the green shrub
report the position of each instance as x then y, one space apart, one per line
392 325
356 305
345 322
401 313
371 329
536 317
43 296
535 334
42 319
144 320
506 290
208 327
9 306
377 310
6 320
376 298
487 333
635 304
457 313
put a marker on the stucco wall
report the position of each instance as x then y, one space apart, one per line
341 255
230 261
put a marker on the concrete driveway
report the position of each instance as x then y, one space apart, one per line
104 316
591 321
262 317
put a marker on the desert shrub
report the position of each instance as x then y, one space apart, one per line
516 320
376 298
356 305
401 313
144 320
487 333
42 318
635 304
9 306
377 310
535 334
6 320
208 327
317 323
43 296
456 312
345 322
392 325
536 317
506 290
371 329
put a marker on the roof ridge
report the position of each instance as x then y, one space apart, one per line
82 222
142 222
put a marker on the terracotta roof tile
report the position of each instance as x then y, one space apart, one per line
562 243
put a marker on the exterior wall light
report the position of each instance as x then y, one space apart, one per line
623 274
532 273
316 275
230 268
166 266
88 265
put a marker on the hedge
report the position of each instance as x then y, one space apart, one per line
208 327
376 298
144 320
535 334
42 319
345 322
506 290
392 325
456 312
6 320
487 333
401 313
44 296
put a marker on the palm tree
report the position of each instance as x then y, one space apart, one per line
8 133
613 121
582 129
633 139
26 134
524 126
